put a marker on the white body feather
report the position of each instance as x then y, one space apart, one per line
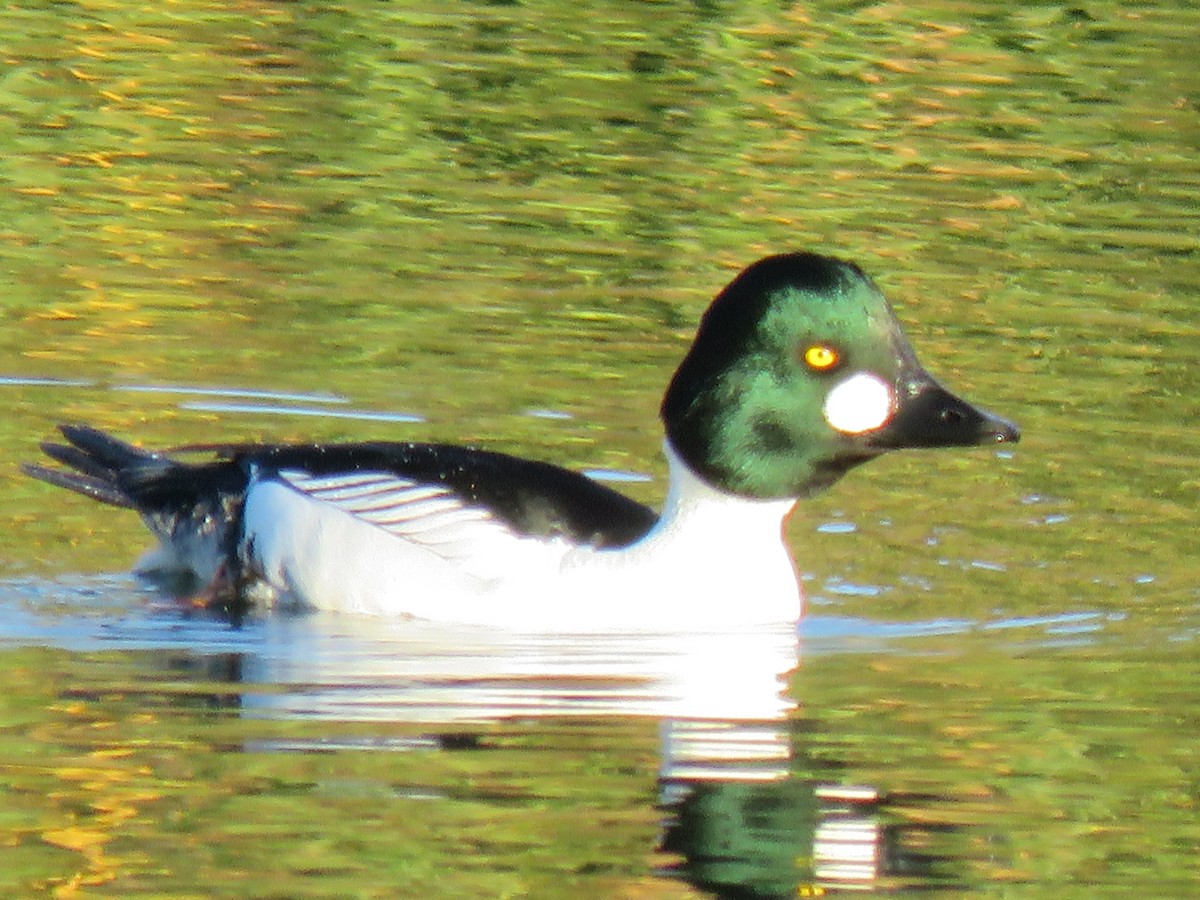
375 544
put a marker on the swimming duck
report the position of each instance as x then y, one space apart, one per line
799 371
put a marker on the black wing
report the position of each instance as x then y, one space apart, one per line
532 498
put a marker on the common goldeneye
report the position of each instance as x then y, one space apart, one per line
799 372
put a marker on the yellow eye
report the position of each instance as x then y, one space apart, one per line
821 357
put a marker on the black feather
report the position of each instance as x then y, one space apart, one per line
533 498
96 488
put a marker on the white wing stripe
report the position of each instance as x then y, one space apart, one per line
342 479
426 515
427 522
356 491
392 500
420 492
418 509
359 492
355 495
411 527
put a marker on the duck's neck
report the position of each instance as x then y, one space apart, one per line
706 513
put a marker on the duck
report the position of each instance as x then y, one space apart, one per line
799 371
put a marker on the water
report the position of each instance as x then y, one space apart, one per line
234 223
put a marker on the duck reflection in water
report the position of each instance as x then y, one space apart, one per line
737 819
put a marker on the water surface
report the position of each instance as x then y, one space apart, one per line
498 224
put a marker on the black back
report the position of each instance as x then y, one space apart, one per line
531 497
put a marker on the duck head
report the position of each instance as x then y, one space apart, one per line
799 372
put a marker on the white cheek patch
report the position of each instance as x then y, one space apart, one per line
859 403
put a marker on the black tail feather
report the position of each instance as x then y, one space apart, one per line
104 466
74 458
104 449
114 472
193 508
96 487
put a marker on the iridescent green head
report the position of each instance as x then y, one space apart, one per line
800 371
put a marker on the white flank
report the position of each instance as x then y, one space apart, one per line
373 543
